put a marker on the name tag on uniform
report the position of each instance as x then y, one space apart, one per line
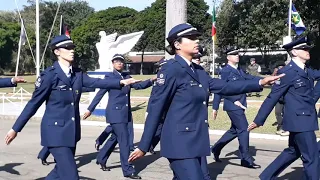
62 88
299 83
192 83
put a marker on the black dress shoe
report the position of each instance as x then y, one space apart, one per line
133 176
44 162
97 146
215 155
151 151
103 166
249 165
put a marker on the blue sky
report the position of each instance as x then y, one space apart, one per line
96 4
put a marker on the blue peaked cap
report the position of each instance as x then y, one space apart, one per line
299 43
182 30
61 41
232 50
118 57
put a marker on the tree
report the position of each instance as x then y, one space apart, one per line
199 18
310 14
9 33
227 24
73 12
151 20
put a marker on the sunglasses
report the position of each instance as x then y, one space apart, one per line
304 49
191 37
68 47
118 61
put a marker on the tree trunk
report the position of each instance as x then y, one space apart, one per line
176 13
141 65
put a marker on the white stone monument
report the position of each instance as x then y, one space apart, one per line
108 46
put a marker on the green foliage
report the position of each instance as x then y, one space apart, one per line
9 33
246 23
261 23
152 22
197 16
227 23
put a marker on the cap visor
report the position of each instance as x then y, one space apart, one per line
191 33
69 45
304 47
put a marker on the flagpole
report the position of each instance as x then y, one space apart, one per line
61 24
37 40
289 25
290 18
18 58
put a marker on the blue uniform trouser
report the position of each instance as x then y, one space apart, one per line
120 135
131 134
190 169
301 144
104 135
156 137
239 125
44 153
65 168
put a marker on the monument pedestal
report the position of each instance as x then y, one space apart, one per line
100 109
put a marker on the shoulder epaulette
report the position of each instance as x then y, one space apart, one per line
285 68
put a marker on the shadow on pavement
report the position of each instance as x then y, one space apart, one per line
295 174
81 178
9 168
252 150
85 159
216 168
142 163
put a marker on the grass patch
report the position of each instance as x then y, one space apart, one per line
29 86
221 123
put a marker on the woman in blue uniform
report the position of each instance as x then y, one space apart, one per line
60 86
182 91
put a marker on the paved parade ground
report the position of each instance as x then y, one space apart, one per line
18 161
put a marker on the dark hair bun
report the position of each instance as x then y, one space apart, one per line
170 50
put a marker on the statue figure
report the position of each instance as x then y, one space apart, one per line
108 46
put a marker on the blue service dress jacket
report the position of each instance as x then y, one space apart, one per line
60 125
297 90
182 94
229 73
118 109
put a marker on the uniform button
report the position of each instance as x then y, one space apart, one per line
200 85
72 104
70 89
55 123
206 121
204 102
187 128
302 112
72 118
117 108
126 94
126 104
